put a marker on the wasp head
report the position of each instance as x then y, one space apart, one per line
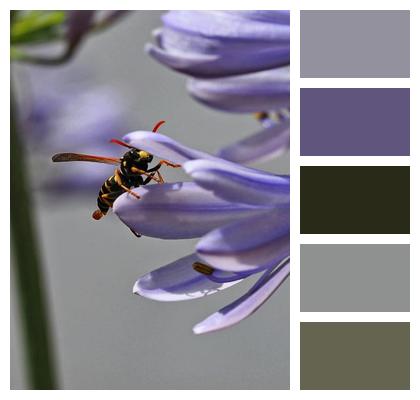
138 156
135 158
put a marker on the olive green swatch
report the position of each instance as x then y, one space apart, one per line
356 199
354 355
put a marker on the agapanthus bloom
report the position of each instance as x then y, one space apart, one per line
251 93
238 63
240 214
222 43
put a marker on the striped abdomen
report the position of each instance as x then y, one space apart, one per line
109 192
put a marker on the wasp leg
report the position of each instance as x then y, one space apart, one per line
156 169
141 172
148 179
160 177
169 164
119 183
130 192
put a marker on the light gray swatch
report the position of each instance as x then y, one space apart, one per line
352 43
361 277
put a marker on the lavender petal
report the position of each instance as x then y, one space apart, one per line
239 184
219 43
244 306
164 147
178 211
230 25
254 242
258 91
178 281
216 66
264 145
274 16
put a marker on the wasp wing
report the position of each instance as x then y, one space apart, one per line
64 157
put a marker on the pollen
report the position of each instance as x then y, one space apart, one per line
203 268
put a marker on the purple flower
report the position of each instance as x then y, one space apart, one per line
248 93
62 111
251 93
211 44
234 59
241 216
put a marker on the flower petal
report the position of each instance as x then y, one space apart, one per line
214 66
266 90
178 281
275 16
178 211
228 276
219 43
254 242
244 306
262 146
182 62
164 147
239 184
231 25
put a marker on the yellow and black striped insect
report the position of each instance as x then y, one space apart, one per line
133 165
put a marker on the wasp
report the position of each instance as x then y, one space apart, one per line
133 166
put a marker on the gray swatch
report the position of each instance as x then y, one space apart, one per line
355 277
351 43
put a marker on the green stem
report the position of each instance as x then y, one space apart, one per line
28 269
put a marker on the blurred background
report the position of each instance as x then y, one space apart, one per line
106 337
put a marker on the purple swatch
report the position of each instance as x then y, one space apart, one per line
355 122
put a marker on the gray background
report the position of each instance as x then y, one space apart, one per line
107 338
350 44
361 277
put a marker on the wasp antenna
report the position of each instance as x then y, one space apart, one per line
157 126
121 143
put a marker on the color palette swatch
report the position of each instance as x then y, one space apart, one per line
367 275
355 355
355 277
355 43
355 122
354 199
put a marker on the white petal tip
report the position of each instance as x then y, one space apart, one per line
213 323
199 329
137 289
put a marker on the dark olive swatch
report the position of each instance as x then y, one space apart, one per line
355 355
361 200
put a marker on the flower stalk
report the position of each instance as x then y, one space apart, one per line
41 370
